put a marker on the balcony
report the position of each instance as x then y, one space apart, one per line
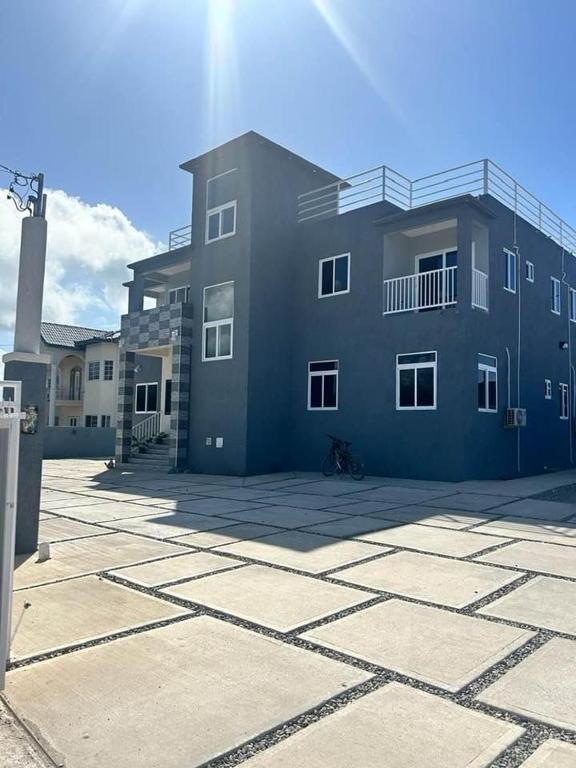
66 394
435 289
178 238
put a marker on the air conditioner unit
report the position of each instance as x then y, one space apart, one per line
516 417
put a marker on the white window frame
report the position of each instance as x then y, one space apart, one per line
218 209
110 364
321 374
216 324
185 288
94 365
414 366
146 384
487 369
555 295
547 389
564 401
572 305
530 271
511 257
333 292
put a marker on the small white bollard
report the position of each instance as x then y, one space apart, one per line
43 551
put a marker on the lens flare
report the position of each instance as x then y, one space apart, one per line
223 85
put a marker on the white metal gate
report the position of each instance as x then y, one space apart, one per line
10 416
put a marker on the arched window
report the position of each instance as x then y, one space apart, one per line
75 390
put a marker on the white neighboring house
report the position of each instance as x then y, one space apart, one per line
82 379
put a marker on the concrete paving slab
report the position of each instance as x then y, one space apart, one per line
441 518
535 556
541 510
350 526
307 500
430 539
363 507
166 500
394 727
284 517
220 536
541 688
62 529
174 568
17 749
400 494
542 602
438 647
77 501
70 612
271 477
104 511
190 692
279 485
238 494
269 596
308 552
165 525
46 516
533 530
84 556
552 754
119 493
426 577
209 507
470 502
337 487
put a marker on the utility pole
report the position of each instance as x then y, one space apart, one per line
25 364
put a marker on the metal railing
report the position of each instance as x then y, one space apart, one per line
178 238
482 177
479 289
64 393
147 428
423 290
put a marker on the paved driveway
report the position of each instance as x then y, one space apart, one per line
297 622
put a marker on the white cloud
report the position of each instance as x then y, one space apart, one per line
88 249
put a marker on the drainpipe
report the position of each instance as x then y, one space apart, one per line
570 366
519 337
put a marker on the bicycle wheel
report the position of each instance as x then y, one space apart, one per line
355 470
329 465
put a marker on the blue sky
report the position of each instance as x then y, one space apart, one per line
109 97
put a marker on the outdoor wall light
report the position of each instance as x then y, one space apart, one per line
563 345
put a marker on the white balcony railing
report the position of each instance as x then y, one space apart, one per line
479 289
482 177
147 428
178 238
424 290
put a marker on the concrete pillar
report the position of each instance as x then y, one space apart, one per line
127 363
53 395
136 294
179 421
30 285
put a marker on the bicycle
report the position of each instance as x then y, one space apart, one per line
340 460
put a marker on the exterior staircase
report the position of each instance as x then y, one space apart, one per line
155 456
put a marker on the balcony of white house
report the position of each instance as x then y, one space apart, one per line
423 268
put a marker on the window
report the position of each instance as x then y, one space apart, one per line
334 275
179 295
416 381
323 386
547 389
108 370
487 383
218 321
94 370
563 391
91 421
147 398
73 421
104 421
221 206
555 295
510 276
573 305
529 271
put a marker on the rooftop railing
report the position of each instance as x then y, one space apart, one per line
482 177
178 238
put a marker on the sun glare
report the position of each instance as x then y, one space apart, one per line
222 68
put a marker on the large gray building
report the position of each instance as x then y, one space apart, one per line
428 321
